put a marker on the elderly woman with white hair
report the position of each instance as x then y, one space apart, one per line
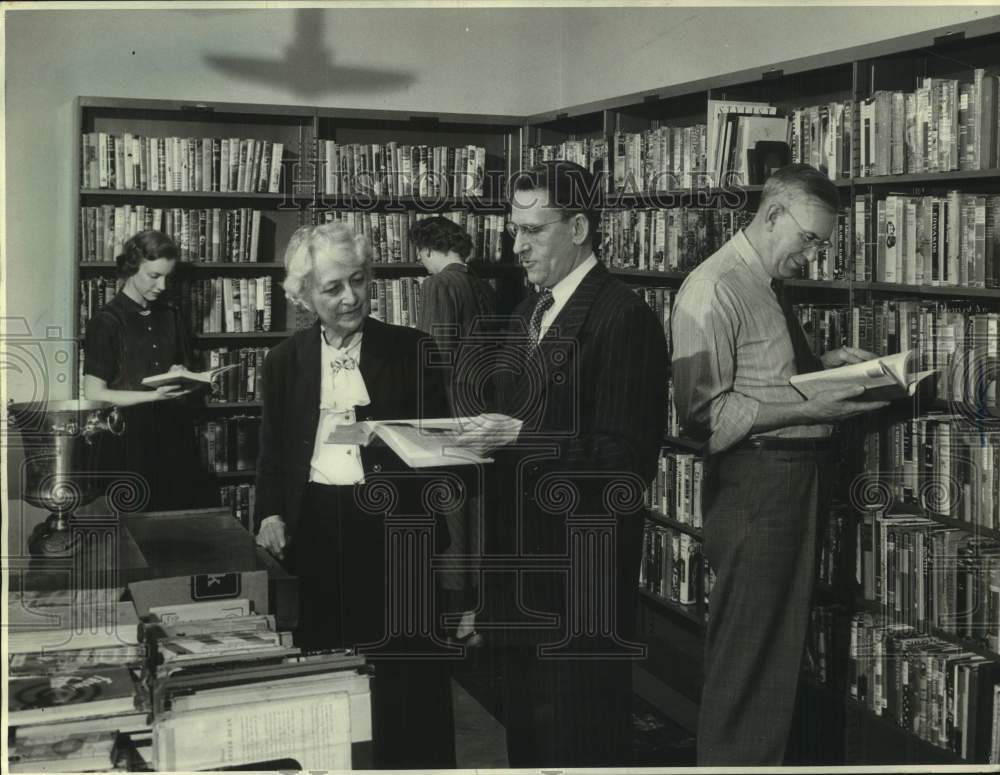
321 507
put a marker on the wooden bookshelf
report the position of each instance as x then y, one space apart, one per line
246 335
666 521
138 194
851 76
229 475
630 275
935 179
687 612
969 644
680 442
952 292
875 740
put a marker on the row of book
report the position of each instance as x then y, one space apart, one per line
673 567
213 305
741 135
95 292
673 420
227 304
933 688
678 239
944 462
661 301
668 240
396 300
957 339
394 169
242 500
211 234
676 490
229 444
951 240
589 153
133 162
238 385
828 327
389 233
661 159
822 136
943 125
838 532
931 576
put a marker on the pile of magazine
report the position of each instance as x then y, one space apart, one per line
192 686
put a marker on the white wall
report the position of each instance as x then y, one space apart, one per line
620 53
473 61
514 61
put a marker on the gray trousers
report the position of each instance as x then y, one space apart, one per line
760 528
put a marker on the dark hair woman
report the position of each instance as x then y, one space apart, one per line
136 335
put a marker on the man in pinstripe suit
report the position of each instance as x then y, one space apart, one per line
585 368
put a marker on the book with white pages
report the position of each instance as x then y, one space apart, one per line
431 442
186 378
884 378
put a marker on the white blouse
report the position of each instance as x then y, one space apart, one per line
342 388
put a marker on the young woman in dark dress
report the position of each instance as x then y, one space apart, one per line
454 303
138 334
457 303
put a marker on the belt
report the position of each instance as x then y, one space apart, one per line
820 444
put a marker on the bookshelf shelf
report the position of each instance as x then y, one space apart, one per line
983 413
266 266
838 286
243 335
648 274
224 405
882 728
687 612
713 196
950 177
676 442
428 203
950 291
968 526
873 606
132 194
248 474
656 516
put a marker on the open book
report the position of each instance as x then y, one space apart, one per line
432 442
186 378
884 379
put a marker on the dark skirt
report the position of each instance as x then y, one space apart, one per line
158 457
338 553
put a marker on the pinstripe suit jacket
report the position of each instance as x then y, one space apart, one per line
593 400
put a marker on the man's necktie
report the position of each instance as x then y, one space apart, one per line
805 360
543 305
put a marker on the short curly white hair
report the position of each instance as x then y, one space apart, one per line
307 242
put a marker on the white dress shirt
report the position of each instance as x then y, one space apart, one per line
563 290
342 388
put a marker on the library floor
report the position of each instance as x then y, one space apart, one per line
479 736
